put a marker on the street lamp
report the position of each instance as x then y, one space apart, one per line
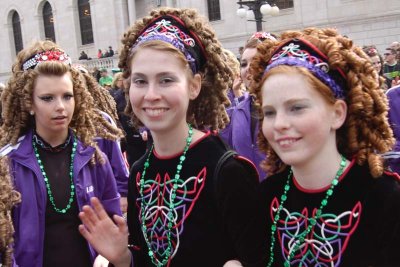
258 8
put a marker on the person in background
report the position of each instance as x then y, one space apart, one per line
83 55
377 62
329 200
237 90
9 198
48 142
110 51
133 144
105 105
241 132
183 209
391 68
99 54
105 78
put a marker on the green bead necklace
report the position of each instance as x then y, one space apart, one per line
172 205
312 221
46 180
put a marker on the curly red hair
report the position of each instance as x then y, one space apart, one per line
366 133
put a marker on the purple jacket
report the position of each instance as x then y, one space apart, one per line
238 134
117 162
112 149
393 96
29 215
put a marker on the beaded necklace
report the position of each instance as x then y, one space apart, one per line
172 205
312 221
46 180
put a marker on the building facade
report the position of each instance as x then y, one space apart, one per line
89 25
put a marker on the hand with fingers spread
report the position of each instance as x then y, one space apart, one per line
109 238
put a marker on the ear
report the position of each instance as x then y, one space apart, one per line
339 114
195 87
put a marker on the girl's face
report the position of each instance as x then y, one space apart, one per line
245 61
298 122
160 89
376 62
53 104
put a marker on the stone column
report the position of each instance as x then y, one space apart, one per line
131 11
122 15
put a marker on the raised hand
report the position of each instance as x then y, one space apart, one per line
109 239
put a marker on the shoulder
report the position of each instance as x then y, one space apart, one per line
393 92
274 181
138 164
237 170
388 185
7 149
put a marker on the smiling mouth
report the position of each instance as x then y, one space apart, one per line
155 111
287 142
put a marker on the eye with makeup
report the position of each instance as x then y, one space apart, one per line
166 80
268 112
297 108
138 82
68 96
46 98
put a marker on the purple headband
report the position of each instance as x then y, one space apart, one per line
172 30
299 52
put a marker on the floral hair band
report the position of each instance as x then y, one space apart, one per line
50 55
172 30
261 36
301 53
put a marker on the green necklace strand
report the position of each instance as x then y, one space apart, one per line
312 221
182 158
46 180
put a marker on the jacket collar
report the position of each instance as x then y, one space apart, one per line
23 150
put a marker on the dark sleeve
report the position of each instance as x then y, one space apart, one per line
241 211
388 246
135 234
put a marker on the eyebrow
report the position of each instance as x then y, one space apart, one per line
290 102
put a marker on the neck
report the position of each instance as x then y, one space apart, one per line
391 62
173 142
53 139
318 174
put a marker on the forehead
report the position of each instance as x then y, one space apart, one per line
280 88
156 59
249 53
53 83
375 58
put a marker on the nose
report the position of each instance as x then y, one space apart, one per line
152 93
281 121
59 104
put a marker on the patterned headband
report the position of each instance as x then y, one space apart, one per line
301 53
50 55
172 30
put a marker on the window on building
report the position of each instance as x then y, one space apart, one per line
214 11
85 21
16 26
282 4
48 21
